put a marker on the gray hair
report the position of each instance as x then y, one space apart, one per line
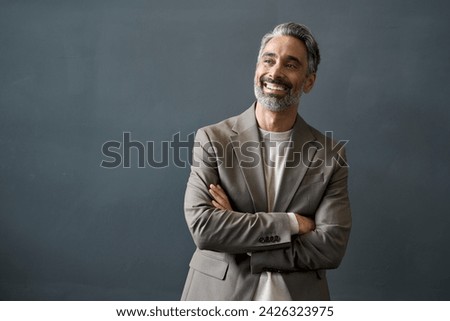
300 32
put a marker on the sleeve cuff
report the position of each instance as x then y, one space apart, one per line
293 223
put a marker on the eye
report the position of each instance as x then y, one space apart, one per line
268 61
291 66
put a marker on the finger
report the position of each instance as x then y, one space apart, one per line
218 194
218 199
222 194
217 205
217 189
214 193
221 191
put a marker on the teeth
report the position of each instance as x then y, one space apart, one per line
274 87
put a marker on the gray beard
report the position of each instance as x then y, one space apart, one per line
277 104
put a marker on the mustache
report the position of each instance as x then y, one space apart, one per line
276 81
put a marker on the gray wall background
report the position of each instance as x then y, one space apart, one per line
75 74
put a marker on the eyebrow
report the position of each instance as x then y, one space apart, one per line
289 57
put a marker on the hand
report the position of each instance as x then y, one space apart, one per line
220 198
305 224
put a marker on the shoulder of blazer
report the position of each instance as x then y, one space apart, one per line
230 126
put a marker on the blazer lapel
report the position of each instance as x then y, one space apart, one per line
246 146
298 161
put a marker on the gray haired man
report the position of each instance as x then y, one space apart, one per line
266 201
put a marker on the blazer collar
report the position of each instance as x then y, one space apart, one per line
246 146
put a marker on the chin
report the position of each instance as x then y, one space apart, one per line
276 103
274 106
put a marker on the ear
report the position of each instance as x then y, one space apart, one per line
309 83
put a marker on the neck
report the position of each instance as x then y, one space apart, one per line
275 121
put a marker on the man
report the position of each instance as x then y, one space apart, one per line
266 201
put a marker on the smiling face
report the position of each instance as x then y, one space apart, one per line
282 73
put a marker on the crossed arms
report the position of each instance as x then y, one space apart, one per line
220 201
321 240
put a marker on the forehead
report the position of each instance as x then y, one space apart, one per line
284 46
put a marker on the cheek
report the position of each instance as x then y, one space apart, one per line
259 72
300 84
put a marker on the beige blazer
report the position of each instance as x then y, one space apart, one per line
234 247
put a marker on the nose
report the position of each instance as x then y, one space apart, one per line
276 71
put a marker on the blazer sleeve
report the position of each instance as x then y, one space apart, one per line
224 230
324 247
